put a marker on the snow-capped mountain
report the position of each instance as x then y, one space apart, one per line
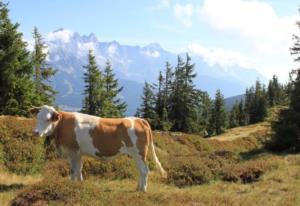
132 65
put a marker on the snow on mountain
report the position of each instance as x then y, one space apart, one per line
133 66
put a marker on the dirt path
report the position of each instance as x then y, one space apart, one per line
241 132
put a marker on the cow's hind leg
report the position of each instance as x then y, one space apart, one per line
76 167
143 170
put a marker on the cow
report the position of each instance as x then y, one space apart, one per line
78 135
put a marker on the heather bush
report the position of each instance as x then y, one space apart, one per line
21 153
187 173
60 191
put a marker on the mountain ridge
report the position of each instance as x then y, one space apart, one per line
133 65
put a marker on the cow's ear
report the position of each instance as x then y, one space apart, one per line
55 117
34 110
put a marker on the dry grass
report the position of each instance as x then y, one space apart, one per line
242 132
195 164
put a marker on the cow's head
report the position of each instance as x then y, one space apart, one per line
47 118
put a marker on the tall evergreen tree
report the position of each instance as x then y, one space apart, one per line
242 115
176 110
16 85
42 72
218 120
113 106
234 116
275 92
93 92
183 98
286 129
160 96
256 103
202 112
147 108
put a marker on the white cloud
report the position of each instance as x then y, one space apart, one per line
112 50
63 35
154 54
220 56
184 14
69 87
268 35
162 4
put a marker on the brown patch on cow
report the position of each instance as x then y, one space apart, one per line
65 131
109 134
143 133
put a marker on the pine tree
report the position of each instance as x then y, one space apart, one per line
159 108
234 120
275 92
113 106
183 96
218 120
242 115
147 108
286 129
93 93
16 85
256 103
42 72
202 112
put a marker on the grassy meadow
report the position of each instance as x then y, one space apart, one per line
228 170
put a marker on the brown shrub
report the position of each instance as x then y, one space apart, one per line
187 173
119 168
59 167
21 152
55 191
249 171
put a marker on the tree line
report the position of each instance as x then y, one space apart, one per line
174 103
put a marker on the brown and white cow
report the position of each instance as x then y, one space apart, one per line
78 134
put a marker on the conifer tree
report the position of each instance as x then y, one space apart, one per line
183 95
93 92
42 72
275 92
242 115
113 106
176 110
16 85
286 128
147 108
234 116
218 120
256 103
160 96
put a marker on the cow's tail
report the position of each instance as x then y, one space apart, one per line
156 160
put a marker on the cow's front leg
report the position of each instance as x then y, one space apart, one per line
76 168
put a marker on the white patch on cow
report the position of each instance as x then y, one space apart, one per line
83 125
131 131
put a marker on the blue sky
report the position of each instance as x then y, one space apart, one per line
254 34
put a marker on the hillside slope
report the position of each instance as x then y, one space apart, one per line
200 172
